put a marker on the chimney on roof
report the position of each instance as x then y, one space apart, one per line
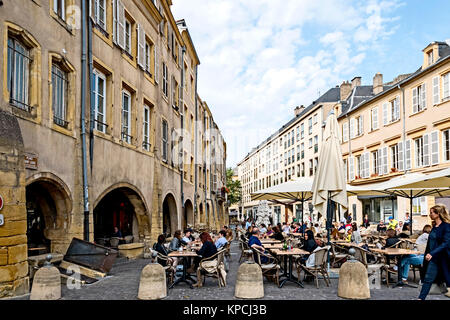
356 82
345 89
377 83
298 110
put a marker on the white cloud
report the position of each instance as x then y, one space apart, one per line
261 58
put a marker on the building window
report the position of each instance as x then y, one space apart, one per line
359 126
302 130
303 169
316 162
394 109
316 144
174 93
419 152
310 126
165 140
395 157
165 80
59 95
146 129
358 167
126 117
99 7
148 55
127 36
310 143
446 144
419 98
59 7
311 168
315 118
99 92
292 137
18 74
376 163
345 132
302 150
430 57
446 86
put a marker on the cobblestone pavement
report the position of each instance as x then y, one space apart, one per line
123 283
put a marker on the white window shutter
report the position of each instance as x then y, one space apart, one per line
415 100
141 46
120 24
114 9
345 132
397 108
435 90
385 161
361 124
423 98
351 168
367 165
446 85
408 154
156 51
375 118
400 156
352 127
434 147
426 150
385 113
379 159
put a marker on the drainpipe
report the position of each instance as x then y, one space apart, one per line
404 127
204 166
183 51
91 96
195 145
83 121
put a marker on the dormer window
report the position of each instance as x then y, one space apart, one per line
430 57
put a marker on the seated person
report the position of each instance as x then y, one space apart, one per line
207 250
117 233
392 238
348 237
160 248
263 228
176 242
248 234
381 227
309 245
277 235
415 259
392 223
187 236
356 236
269 231
341 227
222 241
286 228
255 243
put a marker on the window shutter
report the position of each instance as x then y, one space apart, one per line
114 9
93 10
156 51
434 147
385 114
408 154
120 24
141 47
352 127
361 124
180 55
423 98
169 36
375 118
426 149
379 160
351 168
385 161
367 165
446 85
415 101
397 108
400 156
435 90
345 131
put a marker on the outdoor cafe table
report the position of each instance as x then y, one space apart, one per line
185 254
288 271
268 241
271 246
397 252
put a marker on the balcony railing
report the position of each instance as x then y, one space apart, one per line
60 122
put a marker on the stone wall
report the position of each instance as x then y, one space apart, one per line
13 240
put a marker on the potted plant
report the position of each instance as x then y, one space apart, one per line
394 170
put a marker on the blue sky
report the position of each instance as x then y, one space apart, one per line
261 58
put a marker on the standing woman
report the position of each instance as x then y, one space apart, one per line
437 250
366 222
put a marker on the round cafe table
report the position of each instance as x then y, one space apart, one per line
185 254
288 272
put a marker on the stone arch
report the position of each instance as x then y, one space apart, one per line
121 205
49 207
188 214
170 214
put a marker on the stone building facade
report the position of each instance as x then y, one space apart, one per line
144 126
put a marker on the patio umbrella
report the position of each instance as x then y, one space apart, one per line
329 185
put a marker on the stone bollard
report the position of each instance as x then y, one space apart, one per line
249 282
353 279
47 282
153 282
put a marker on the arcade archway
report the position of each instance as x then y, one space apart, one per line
170 215
188 214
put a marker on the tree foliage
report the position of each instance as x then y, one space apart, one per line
234 186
